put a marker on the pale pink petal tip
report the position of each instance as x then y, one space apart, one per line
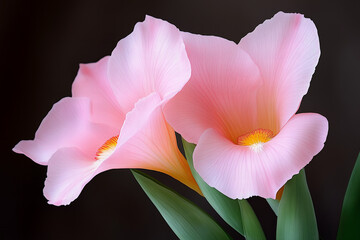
58 129
33 150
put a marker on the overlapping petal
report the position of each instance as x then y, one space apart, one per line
151 59
221 93
137 118
239 172
153 147
92 82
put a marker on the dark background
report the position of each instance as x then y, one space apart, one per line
42 43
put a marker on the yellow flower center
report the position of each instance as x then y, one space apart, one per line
256 139
107 148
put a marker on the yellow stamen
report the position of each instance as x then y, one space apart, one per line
256 139
107 148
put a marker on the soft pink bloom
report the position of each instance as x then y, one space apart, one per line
115 118
240 103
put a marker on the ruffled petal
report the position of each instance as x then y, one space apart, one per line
153 146
66 125
69 170
286 49
151 59
221 93
92 82
239 172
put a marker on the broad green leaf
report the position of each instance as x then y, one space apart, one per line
296 215
186 219
237 213
274 204
349 227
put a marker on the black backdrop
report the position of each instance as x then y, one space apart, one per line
42 43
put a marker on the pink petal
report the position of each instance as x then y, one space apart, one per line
221 93
286 49
150 143
138 117
92 82
69 171
239 172
66 125
151 59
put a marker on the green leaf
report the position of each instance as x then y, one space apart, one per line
274 204
186 219
349 227
296 215
237 213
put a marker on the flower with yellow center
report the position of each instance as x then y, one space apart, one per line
255 139
239 106
115 119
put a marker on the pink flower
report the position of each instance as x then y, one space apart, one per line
240 103
115 118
